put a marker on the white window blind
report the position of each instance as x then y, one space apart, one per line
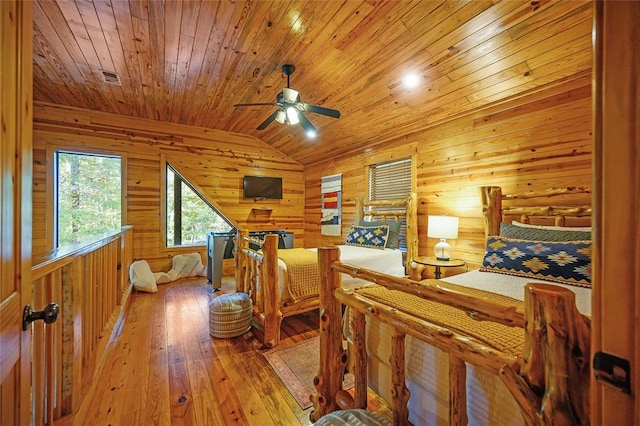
388 181
391 181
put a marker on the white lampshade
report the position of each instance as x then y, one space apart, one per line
289 95
292 115
442 227
281 116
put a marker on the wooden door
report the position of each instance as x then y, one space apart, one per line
616 267
15 210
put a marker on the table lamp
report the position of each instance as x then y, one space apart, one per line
442 227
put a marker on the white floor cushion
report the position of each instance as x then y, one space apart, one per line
141 277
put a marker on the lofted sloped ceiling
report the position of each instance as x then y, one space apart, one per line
189 62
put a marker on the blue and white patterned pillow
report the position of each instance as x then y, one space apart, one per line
567 262
368 236
393 240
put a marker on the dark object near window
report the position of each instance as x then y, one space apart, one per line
261 187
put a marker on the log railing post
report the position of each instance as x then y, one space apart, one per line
358 325
328 382
399 392
556 354
457 391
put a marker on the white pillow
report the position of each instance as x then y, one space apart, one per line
141 277
161 277
553 228
187 265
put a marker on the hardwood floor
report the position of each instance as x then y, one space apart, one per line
163 368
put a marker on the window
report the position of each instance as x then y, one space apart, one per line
389 181
189 216
88 196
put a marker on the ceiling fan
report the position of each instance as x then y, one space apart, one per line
291 110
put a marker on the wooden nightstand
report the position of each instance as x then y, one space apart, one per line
437 264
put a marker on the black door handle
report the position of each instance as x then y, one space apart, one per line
49 315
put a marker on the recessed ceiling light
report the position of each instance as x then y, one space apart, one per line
411 81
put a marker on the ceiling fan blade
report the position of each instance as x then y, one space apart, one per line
322 110
258 104
268 121
309 128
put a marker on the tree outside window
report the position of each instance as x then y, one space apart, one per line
190 216
89 196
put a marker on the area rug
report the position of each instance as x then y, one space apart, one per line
297 365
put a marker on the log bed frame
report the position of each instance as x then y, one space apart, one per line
549 381
268 311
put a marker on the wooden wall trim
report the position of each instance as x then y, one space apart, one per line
616 273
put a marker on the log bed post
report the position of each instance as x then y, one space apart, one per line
556 354
412 229
270 291
491 209
328 382
241 263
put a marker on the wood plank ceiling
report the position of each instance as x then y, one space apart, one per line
190 62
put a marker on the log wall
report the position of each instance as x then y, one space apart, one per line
534 142
213 161
531 143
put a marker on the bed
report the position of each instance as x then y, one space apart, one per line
484 347
284 282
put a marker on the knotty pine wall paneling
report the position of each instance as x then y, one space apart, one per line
530 143
213 161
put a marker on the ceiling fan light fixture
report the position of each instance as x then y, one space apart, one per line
292 115
281 116
290 95
291 110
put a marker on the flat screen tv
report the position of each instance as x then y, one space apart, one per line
262 187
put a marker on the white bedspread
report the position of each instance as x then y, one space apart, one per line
513 286
488 400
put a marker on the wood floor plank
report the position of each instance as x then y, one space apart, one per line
136 387
109 396
165 369
181 398
197 332
157 408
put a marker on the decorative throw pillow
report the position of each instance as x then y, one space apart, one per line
538 234
567 262
368 236
394 232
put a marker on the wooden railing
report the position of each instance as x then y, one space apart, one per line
90 283
549 381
